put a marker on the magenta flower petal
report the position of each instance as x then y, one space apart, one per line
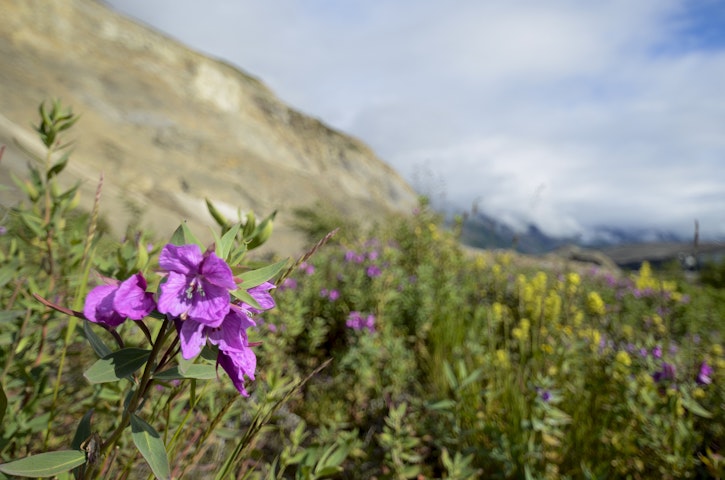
261 294
99 307
132 300
211 307
214 270
231 336
197 286
173 299
237 365
182 259
191 335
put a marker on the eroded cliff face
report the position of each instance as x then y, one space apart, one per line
168 126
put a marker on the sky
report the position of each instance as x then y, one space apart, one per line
568 114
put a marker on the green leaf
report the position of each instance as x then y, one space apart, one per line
442 405
244 296
262 232
218 217
96 343
3 403
45 464
117 365
690 404
199 371
33 222
257 277
225 244
151 446
327 471
183 236
8 273
58 166
83 431
249 225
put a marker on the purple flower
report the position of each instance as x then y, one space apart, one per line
668 372
333 295
235 355
356 321
704 376
261 295
544 394
373 271
112 304
237 365
307 268
288 284
197 286
657 352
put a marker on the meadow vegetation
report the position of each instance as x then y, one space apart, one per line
390 353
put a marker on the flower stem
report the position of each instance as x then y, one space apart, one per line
138 394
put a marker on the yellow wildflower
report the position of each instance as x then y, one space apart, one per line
573 280
502 357
623 358
552 306
595 304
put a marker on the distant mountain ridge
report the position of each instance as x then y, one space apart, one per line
627 248
484 231
169 127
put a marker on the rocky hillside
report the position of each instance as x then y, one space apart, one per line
168 126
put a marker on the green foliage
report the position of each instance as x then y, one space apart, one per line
392 353
713 274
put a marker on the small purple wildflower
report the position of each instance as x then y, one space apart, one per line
112 304
667 372
307 268
657 352
3 230
288 284
544 394
333 295
356 321
704 376
373 271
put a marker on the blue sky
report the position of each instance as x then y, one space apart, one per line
566 113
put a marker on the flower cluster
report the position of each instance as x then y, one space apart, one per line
356 321
195 294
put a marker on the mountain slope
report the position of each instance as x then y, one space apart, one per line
168 126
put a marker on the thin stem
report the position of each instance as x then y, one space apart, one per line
138 394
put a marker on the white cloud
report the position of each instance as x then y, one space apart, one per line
571 113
